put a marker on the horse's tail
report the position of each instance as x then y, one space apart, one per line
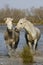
38 33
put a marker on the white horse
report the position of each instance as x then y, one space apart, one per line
33 33
11 36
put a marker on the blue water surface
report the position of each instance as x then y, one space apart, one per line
22 41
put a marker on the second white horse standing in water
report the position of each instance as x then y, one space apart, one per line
33 33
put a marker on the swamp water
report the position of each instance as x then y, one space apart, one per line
22 42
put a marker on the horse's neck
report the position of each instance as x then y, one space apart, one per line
30 28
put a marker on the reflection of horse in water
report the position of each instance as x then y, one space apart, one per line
33 33
11 36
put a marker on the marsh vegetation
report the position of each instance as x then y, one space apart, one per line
26 55
35 15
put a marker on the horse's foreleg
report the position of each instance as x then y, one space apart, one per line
13 44
9 49
29 43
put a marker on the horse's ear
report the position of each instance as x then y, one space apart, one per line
5 20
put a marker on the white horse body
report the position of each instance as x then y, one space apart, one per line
30 29
33 32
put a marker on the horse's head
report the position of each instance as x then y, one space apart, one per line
8 22
21 24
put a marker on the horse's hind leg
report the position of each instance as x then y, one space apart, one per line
35 44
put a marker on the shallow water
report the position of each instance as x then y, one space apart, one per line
22 42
